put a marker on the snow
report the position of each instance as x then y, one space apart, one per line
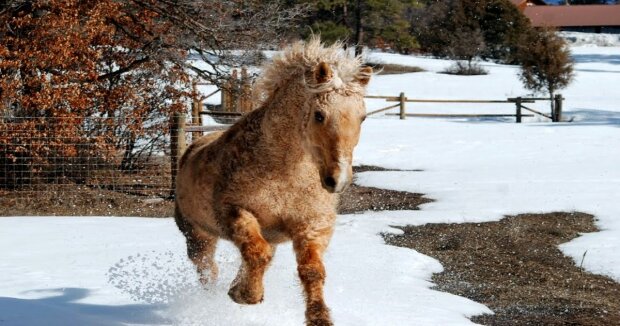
116 271
133 271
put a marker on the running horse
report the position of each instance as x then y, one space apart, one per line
275 175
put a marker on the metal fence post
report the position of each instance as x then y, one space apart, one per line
402 99
518 103
177 146
196 108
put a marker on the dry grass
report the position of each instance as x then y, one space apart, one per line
393 69
85 202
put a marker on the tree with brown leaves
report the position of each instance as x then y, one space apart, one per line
123 64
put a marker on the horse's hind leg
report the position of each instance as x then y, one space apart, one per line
200 249
247 288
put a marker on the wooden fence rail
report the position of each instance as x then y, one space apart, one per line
556 114
178 126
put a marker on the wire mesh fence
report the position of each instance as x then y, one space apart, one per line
83 161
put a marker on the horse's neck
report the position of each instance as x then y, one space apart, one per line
282 125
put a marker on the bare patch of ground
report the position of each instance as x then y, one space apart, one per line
515 268
82 202
359 199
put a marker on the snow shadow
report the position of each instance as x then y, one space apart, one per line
613 59
572 118
590 117
62 308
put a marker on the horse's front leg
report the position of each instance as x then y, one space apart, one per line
309 249
247 288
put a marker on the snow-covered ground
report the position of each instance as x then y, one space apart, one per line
132 271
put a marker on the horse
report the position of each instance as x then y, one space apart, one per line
275 175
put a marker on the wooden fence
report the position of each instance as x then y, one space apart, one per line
519 102
236 102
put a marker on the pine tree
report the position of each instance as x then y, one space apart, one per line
546 64
374 23
500 22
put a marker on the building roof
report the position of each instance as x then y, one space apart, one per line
524 3
574 16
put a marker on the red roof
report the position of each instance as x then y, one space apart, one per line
574 16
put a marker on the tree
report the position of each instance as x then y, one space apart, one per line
466 45
436 27
122 63
382 24
546 64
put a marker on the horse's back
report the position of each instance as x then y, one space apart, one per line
198 145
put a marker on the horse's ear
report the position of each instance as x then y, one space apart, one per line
323 73
363 77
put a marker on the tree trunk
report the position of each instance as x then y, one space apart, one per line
128 161
359 30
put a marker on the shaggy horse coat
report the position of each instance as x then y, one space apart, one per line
274 175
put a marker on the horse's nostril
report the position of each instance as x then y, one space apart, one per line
330 182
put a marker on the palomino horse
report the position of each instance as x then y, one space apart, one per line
274 176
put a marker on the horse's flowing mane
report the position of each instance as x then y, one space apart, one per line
301 58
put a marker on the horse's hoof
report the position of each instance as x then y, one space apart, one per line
317 314
241 296
319 322
207 279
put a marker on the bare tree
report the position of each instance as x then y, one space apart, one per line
466 44
222 34
128 61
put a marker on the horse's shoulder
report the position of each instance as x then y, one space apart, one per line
248 127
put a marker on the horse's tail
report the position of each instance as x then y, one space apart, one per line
182 224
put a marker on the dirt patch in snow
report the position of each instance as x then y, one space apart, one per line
96 202
82 202
359 199
514 267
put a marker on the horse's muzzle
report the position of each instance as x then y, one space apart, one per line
329 183
333 185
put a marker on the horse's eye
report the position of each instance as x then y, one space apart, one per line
318 116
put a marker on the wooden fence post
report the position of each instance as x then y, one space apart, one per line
227 96
402 99
177 145
196 108
245 92
518 103
558 108
234 92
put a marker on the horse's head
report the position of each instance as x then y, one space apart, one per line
333 122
